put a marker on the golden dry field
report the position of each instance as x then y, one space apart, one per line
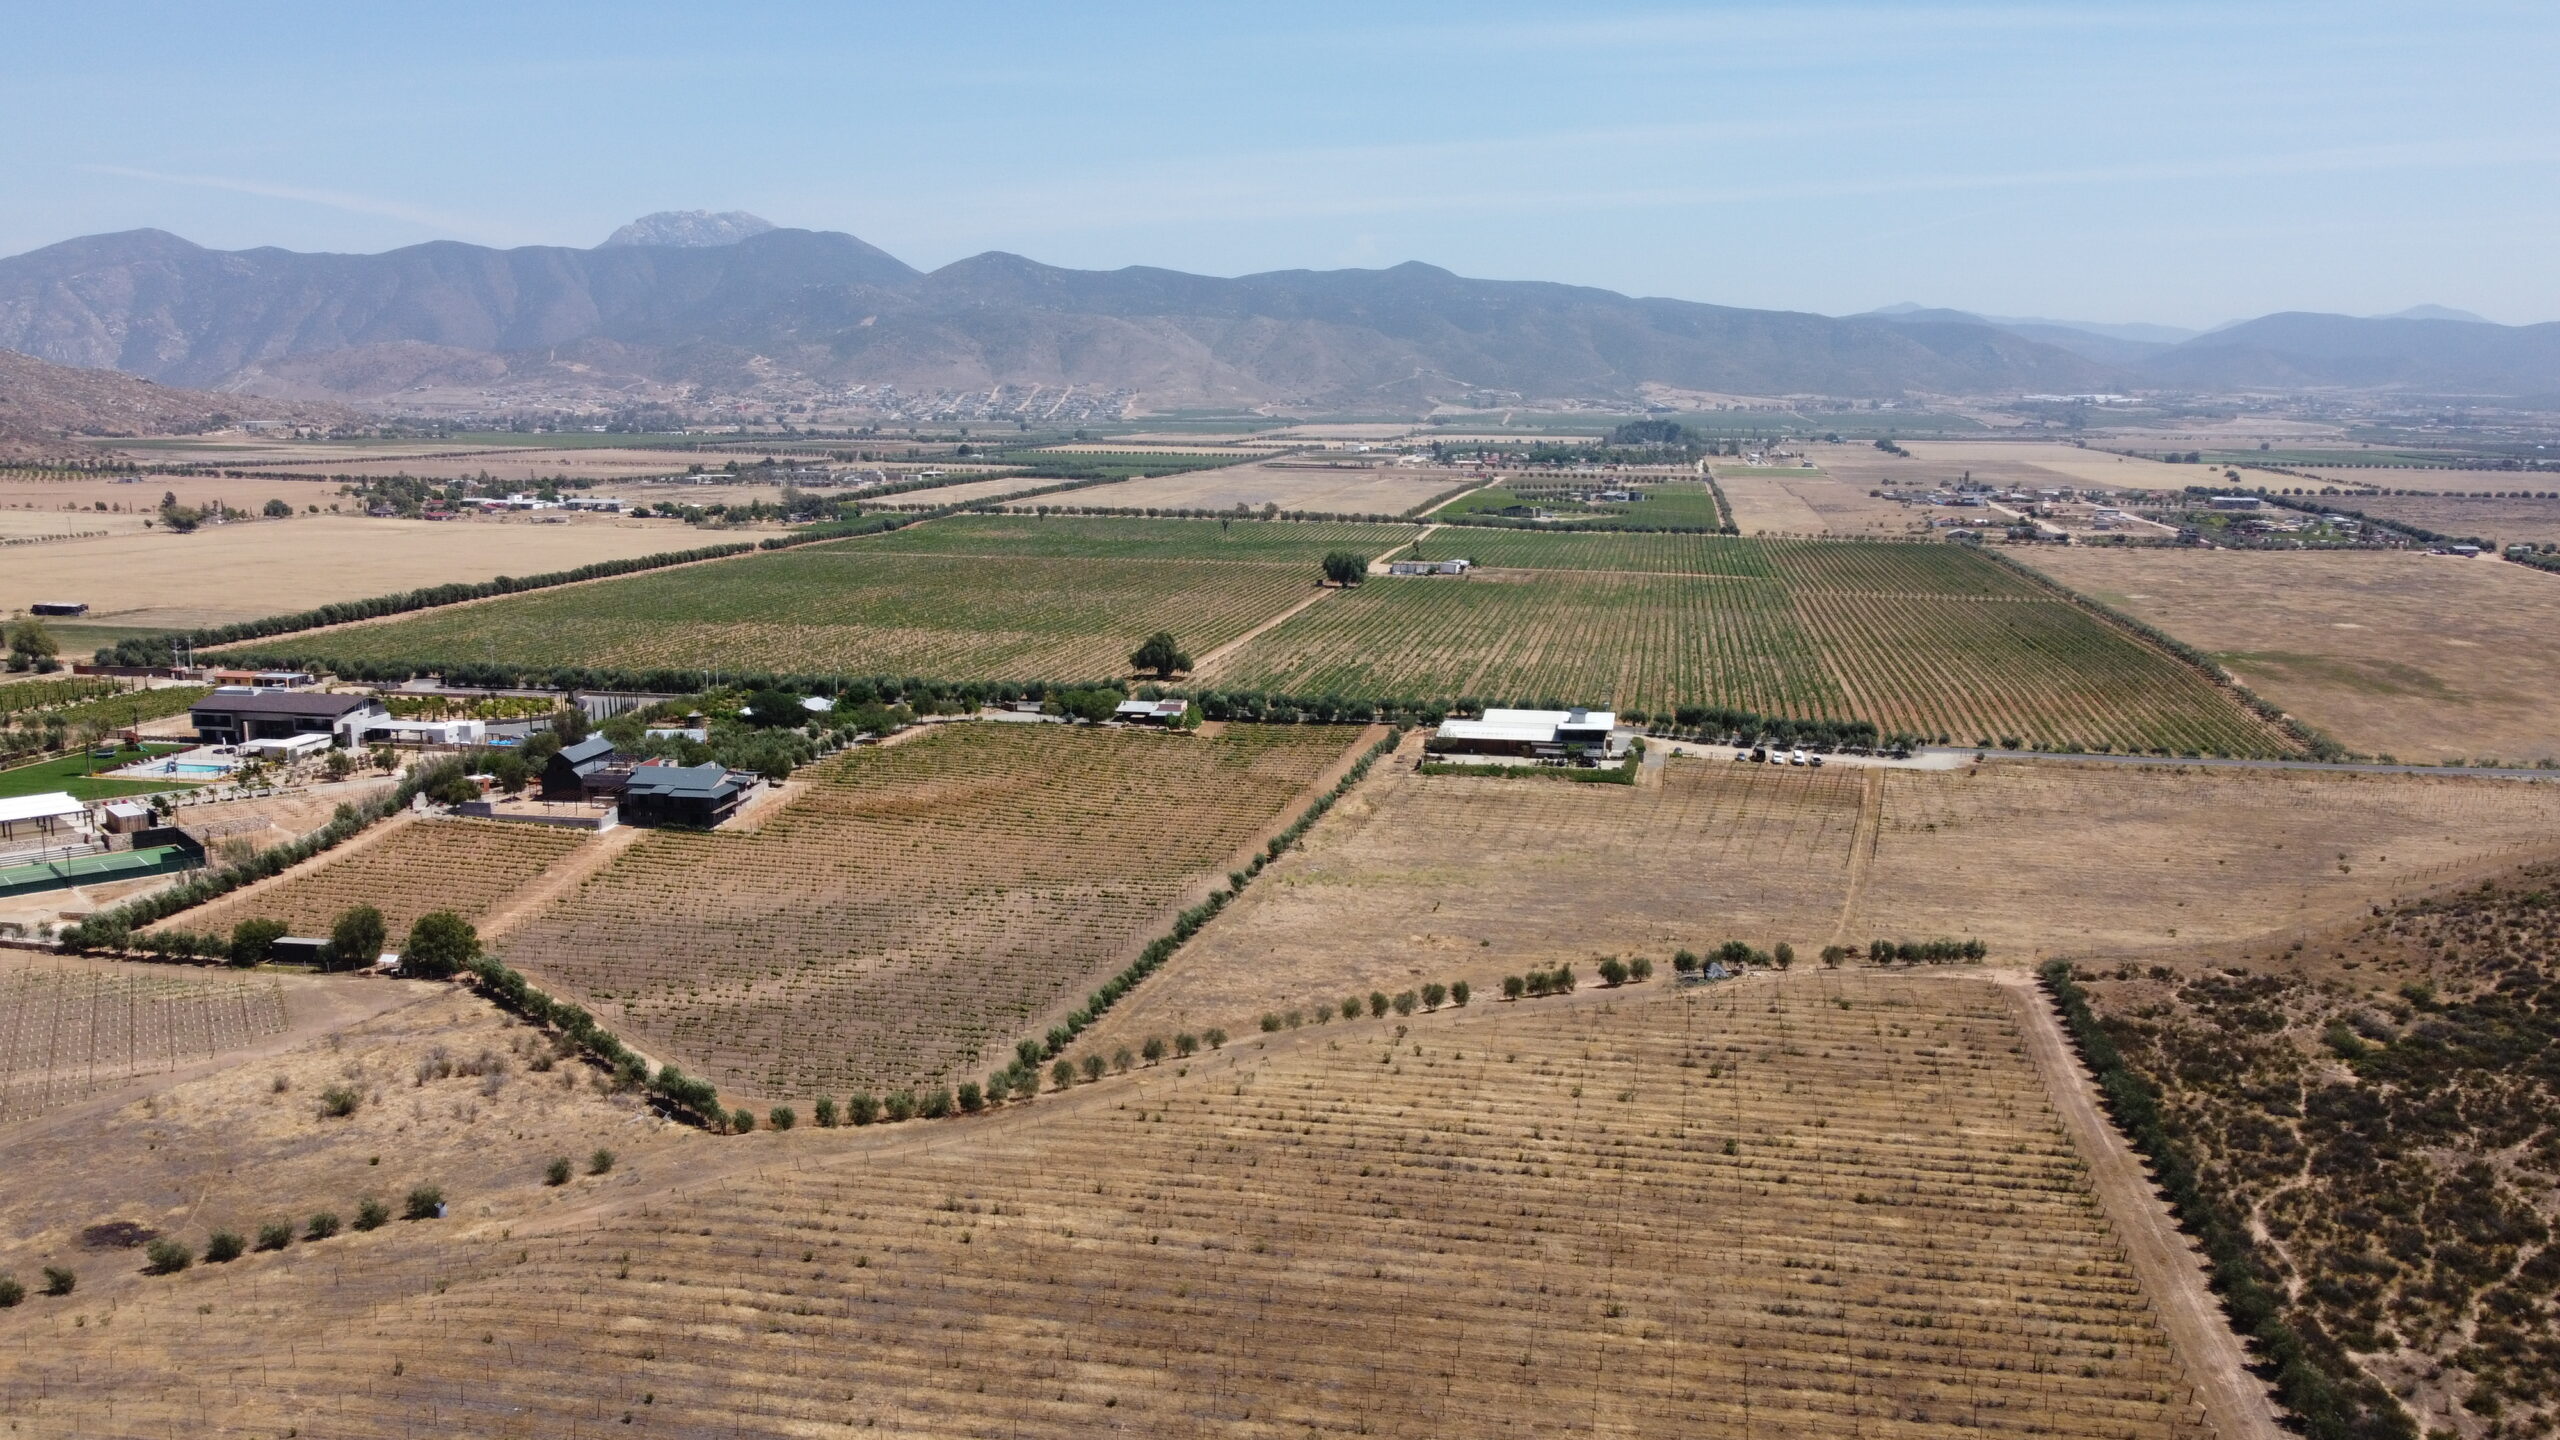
909 915
224 573
1417 878
404 869
2030 464
2430 479
2422 657
1812 1206
1292 485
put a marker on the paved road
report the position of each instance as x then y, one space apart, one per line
2474 772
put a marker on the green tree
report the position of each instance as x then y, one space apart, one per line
1186 1045
356 939
1433 995
1092 1067
1153 1049
320 1226
1217 1038
371 1213
58 1281
771 708
1091 704
862 1107
274 1235
824 1112
11 1292
742 1121
512 772
972 1099
1784 954
1460 992
1062 1074
1378 1003
426 1202
31 645
1350 1007
1405 1001
782 1117
1341 567
1121 1060
557 1172
224 1246
165 1256
1160 655
440 943
1613 971
601 1162
275 510
253 940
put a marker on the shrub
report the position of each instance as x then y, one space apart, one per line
11 1292
1613 972
1377 1003
901 1105
1186 1045
1121 1060
426 1202
1784 954
601 1162
1513 987
824 1112
934 1104
339 1101
1640 968
782 1117
320 1226
999 1085
274 1235
166 1257
1832 955
1270 1021
557 1172
1460 992
58 1281
224 1246
1062 1074
862 1107
1685 961
371 1213
1405 1001
1434 995
972 1099
1092 1067
1217 1038
1153 1049
742 1121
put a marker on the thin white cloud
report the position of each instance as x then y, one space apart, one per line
443 222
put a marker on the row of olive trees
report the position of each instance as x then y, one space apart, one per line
1376 1004
166 1255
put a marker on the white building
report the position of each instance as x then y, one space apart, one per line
1538 733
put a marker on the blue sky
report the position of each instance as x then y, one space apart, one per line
2178 163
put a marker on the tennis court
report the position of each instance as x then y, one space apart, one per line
104 866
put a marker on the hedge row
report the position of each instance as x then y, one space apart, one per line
1621 774
113 929
694 1098
1188 923
2332 1400
2311 739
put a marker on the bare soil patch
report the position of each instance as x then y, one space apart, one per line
1292 485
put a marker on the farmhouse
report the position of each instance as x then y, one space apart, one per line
235 713
588 770
1151 712
1429 567
697 796
1543 734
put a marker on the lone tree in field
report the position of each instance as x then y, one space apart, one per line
1161 655
1341 567
357 938
440 943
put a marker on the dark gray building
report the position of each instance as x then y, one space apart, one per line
236 713
695 796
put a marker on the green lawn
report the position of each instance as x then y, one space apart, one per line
71 773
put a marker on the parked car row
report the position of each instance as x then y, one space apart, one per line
1772 755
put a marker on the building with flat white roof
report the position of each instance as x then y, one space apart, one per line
1537 733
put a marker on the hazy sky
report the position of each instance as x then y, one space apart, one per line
2185 164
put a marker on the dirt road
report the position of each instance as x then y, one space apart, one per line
2234 1401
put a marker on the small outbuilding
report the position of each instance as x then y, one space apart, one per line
44 814
1430 567
1151 712
588 770
125 817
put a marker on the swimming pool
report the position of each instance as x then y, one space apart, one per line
178 769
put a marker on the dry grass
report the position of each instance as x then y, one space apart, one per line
1419 878
2430 479
1504 1223
2513 521
467 866
2423 657
240 572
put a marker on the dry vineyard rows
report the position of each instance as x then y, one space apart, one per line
917 905
1514 1222
70 1029
467 866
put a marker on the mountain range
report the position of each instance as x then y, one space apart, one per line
728 304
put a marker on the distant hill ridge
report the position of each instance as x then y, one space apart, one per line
722 299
